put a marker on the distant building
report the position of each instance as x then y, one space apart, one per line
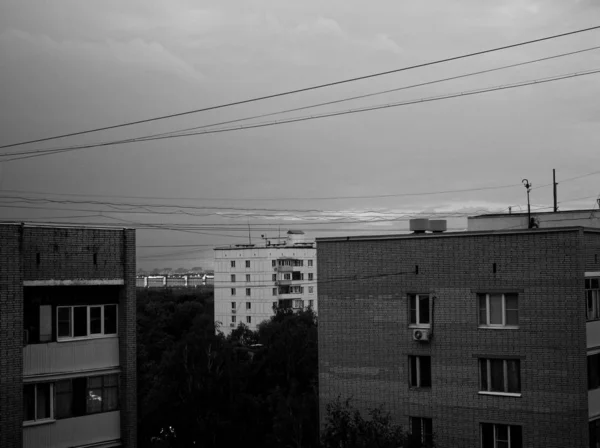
67 337
542 220
251 281
486 339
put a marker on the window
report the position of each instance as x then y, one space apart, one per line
274 305
498 310
248 305
248 319
232 278
419 371
297 276
233 319
233 291
594 427
247 263
593 367
247 277
274 291
592 295
310 263
311 303
287 276
248 291
102 394
310 289
233 305
86 321
494 435
310 275
500 375
274 277
273 263
233 263
419 309
421 429
37 402
298 303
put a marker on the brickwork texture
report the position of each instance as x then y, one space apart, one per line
365 339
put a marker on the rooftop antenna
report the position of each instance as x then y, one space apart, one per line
554 184
528 186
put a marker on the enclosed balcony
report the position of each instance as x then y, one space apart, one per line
100 430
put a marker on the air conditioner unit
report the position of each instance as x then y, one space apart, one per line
421 335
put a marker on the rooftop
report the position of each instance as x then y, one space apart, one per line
533 212
63 226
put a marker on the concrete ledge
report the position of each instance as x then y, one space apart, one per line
75 282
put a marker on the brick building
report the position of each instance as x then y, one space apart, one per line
67 337
251 280
484 338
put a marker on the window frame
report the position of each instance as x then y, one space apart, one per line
592 292
249 320
310 263
248 292
426 438
418 373
88 335
247 264
232 278
232 264
311 276
274 291
505 377
417 323
487 323
495 440
102 388
233 292
40 421
248 305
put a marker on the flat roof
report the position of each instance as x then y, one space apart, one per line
64 226
302 245
457 234
563 212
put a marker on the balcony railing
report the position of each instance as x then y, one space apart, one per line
71 356
78 431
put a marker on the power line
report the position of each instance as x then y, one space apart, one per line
43 152
305 89
327 103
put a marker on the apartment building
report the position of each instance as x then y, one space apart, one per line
512 221
251 281
67 337
486 339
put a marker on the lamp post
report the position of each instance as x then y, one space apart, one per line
528 187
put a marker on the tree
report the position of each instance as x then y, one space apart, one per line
346 428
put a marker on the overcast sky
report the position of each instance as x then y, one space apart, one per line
69 65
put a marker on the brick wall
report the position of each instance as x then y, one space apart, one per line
592 250
70 253
364 338
11 337
127 343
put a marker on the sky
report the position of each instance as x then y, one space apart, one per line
68 66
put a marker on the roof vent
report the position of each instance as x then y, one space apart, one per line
438 225
420 225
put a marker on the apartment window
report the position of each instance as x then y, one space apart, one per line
498 310
233 263
247 263
592 295
298 303
594 428
248 305
274 305
310 275
273 263
495 435
274 291
287 276
86 321
248 291
233 318
247 277
310 263
593 366
232 278
500 375
311 303
37 402
274 277
421 429
248 319
233 291
310 289
419 371
83 396
233 305
419 309
297 276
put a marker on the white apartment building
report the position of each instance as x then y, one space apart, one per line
251 281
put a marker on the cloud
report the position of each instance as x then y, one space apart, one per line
137 53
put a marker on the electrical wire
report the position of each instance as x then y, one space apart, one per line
43 152
305 89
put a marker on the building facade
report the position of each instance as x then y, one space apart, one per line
485 339
67 337
251 281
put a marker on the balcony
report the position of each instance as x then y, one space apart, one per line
286 268
97 429
71 356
